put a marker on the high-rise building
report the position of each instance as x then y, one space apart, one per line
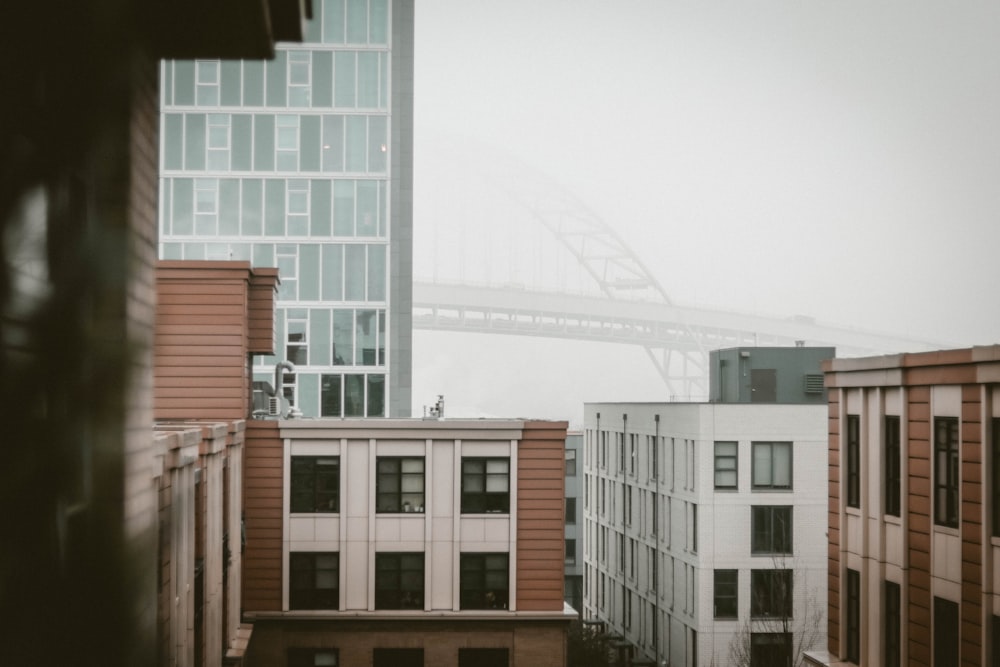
914 509
704 523
304 162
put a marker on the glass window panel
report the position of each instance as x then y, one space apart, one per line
473 483
356 143
194 141
354 395
354 273
333 143
377 144
378 29
229 207
319 335
343 208
194 251
322 83
173 141
166 213
498 466
274 207
253 83
242 132
344 79
207 89
357 21
299 65
383 80
309 144
496 483
333 272
218 130
368 79
343 337
307 399
761 465
183 82
320 209
240 251
277 80
376 395
252 213
381 338
309 273
167 71
367 220
412 484
314 33
365 337
231 83
782 455
376 273
298 196
330 396
333 22
413 466
263 142
171 251
263 255
183 206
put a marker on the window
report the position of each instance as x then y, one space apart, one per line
400 484
570 551
571 463
398 657
314 580
483 657
893 495
485 485
315 484
995 640
946 472
218 141
726 593
853 616
313 657
771 529
484 581
945 632
296 339
772 465
853 461
771 593
770 649
287 142
892 625
995 467
207 82
725 465
399 581
571 511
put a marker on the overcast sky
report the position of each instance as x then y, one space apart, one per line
834 159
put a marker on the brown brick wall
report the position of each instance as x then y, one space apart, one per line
531 643
971 630
541 491
919 506
262 493
833 577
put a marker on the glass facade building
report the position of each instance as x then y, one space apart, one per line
304 162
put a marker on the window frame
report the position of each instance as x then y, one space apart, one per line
383 496
772 486
853 616
773 541
480 566
734 470
893 466
765 601
947 472
398 565
329 497
312 597
852 479
484 501
727 591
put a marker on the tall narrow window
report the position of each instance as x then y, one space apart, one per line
571 463
726 593
946 471
485 485
570 511
725 465
945 632
892 466
853 461
853 616
892 624
772 465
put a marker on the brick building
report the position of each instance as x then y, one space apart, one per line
915 509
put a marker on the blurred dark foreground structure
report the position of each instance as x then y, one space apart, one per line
78 208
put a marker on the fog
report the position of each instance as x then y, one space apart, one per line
838 160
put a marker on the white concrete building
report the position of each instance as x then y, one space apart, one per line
705 523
